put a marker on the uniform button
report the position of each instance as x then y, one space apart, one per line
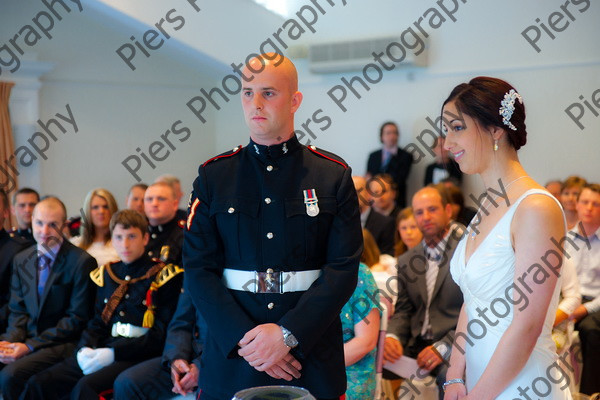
127 278
269 168
270 306
268 200
122 313
127 296
144 302
270 235
235 149
231 210
313 147
154 236
105 301
150 253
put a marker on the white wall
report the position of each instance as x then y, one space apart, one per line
485 40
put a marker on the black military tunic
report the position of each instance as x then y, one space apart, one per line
67 377
25 234
9 246
166 241
247 212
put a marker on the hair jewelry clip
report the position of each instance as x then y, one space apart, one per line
508 107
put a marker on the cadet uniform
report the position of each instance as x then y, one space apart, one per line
133 307
166 241
25 234
9 246
151 380
289 212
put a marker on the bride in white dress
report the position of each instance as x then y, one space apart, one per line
506 264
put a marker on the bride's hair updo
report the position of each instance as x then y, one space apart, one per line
481 99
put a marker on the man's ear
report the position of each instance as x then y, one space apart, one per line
146 238
448 210
296 101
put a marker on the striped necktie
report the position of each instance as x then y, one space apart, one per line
43 273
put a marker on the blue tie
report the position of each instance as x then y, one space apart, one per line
44 272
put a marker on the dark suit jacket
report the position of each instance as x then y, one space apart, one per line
398 167
9 246
447 299
186 333
382 228
65 306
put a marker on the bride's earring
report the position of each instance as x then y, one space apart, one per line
496 145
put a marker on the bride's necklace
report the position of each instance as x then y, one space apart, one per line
474 232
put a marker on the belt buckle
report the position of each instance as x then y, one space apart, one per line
123 329
268 282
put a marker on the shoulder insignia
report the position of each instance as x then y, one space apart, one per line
168 272
320 153
97 276
192 213
233 151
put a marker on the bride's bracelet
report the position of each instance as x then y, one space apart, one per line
452 381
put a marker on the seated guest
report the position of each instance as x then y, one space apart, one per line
460 213
383 190
135 198
175 183
570 299
178 369
569 193
380 226
444 168
50 302
554 187
98 208
166 229
23 202
360 325
583 246
383 273
135 299
407 234
392 160
429 301
9 246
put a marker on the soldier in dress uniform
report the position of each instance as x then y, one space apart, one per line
9 246
24 200
271 249
166 230
135 300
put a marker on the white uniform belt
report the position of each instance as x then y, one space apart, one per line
127 330
269 281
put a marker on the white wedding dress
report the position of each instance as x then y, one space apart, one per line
484 281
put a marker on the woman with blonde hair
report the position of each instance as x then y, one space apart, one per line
94 234
407 233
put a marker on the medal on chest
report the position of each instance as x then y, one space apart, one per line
311 202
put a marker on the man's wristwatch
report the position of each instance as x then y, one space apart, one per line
288 338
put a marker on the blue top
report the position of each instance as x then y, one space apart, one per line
360 375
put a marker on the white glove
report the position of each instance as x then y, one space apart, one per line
100 358
84 356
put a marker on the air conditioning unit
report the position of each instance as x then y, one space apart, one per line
354 55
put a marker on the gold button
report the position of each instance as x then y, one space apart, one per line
235 149
144 302
150 253
127 296
270 306
268 200
127 278
270 235
269 270
231 210
313 147
269 168
122 313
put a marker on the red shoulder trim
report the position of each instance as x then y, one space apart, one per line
234 151
314 150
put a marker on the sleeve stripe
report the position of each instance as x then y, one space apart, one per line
192 213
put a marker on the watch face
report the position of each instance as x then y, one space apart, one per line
291 341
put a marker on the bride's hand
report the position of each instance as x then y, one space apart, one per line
456 391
